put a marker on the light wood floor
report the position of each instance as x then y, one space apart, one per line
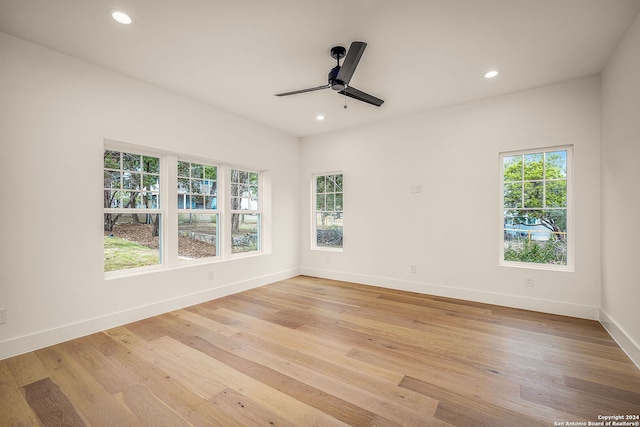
315 352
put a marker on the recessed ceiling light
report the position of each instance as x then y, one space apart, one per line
319 117
490 74
121 17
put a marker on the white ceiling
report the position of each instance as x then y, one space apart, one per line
421 54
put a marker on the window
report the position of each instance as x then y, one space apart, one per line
245 211
198 215
132 215
328 191
165 210
536 208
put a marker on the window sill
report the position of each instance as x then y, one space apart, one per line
534 266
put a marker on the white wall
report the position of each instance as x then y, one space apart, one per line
451 230
621 193
55 113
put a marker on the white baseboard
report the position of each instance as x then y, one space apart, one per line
627 345
505 300
24 344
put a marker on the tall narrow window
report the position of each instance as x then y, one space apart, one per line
131 210
328 211
198 215
536 191
245 211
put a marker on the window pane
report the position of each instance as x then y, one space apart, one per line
245 232
210 172
211 202
131 180
183 169
320 184
196 186
330 203
556 194
329 229
112 179
111 159
320 202
338 183
150 200
131 162
183 185
330 188
243 177
131 199
151 182
338 201
131 240
210 187
253 178
533 166
556 165
196 170
533 194
151 164
197 235
112 199
513 195
512 168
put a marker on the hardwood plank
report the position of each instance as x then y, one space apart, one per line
14 409
26 369
51 405
246 411
149 410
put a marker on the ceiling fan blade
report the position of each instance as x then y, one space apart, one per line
311 89
351 61
354 93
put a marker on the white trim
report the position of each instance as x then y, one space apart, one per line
624 341
505 300
23 344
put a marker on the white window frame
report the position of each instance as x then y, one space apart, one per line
220 193
314 213
570 266
161 209
168 209
259 211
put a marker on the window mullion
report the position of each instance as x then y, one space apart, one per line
169 204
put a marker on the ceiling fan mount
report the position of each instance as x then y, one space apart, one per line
340 75
338 52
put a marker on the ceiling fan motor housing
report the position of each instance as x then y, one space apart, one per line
335 83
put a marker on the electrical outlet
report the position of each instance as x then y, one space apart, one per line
528 282
412 268
3 315
211 275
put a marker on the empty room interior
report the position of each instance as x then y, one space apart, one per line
304 213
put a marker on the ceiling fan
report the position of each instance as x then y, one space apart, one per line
340 76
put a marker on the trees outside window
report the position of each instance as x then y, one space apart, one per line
144 227
245 211
198 215
132 212
536 212
328 212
